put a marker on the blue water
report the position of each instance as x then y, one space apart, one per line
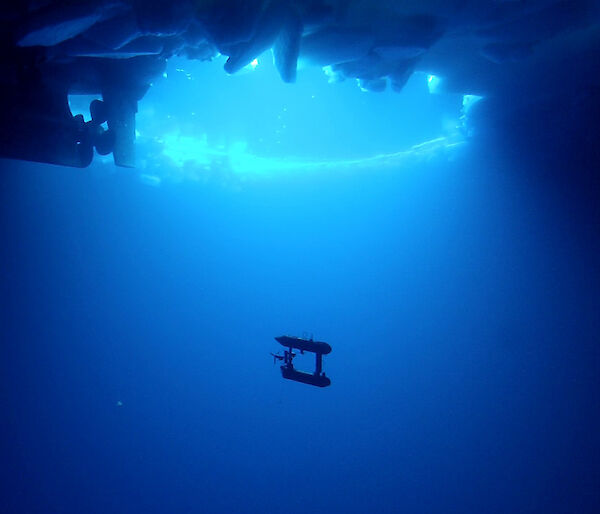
459 291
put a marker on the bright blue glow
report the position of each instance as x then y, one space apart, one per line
469 101
80 104
201 123
182 149
434 84
332 76
195 157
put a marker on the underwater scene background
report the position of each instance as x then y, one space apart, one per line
452 265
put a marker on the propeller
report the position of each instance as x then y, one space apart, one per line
275 357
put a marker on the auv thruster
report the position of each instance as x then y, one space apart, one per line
317 378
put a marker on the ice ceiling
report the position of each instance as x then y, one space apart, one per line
512 52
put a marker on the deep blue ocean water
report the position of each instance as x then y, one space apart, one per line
459 289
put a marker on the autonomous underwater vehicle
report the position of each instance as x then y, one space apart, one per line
317 378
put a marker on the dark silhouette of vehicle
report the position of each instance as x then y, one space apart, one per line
317 378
